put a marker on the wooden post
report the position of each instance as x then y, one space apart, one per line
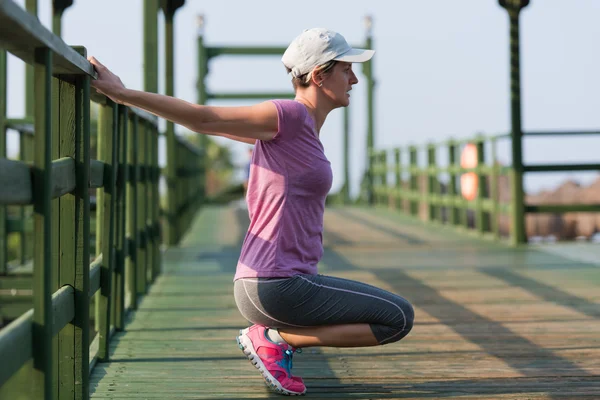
518 236
131 242
42 382
3 222
346 145
172 231
398 201
414 181
453 210
122 243
106 225
140 208
480 218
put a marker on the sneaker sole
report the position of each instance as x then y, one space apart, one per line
248 349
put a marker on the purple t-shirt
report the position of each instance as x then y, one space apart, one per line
289 181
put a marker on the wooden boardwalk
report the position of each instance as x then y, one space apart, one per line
491 322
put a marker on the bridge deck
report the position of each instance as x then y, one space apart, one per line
491 322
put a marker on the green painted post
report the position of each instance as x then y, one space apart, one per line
151 46
177 191
42 382
156 203
32 7
146 201
398 174
383 178
63 97
480 218
3 233
105 232
140 209
64 221
514 8
172 153
464 210
82 272
346 187
151 85
26 145
74 228
494 215
431 183
414 181
368 71
120 138
147 227
202 97
131 240
58 8
453 216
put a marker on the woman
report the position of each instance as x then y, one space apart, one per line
276 285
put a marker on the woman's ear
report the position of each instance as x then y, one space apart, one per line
317 78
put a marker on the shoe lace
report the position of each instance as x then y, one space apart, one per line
286 361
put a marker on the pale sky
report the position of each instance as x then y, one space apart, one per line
441 66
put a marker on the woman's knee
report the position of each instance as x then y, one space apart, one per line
402 325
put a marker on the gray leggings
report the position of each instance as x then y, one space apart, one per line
313 300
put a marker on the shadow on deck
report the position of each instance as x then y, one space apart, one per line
491 322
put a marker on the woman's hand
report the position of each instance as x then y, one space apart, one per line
107 83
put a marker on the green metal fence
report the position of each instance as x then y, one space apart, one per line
50 340
432 191
413 180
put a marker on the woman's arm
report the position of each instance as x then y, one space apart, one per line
257 122
236 138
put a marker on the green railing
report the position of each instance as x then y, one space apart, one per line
50 344
432 191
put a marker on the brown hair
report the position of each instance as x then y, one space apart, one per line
303 81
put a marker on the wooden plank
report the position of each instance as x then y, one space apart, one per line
97 174
15 346
21 125
15 180
16 340
21 33
95 273
63 308
16 177
63 176
491 322
8 282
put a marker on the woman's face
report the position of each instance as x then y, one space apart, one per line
338 83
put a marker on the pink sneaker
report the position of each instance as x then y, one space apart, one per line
273 360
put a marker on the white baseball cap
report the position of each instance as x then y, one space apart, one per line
316 46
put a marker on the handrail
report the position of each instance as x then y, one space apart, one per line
126 175
450 207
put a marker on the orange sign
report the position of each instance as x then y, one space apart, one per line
468 180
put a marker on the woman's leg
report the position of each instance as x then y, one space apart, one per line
348 335
313 311
317 310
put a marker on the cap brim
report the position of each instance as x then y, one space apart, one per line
356 55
